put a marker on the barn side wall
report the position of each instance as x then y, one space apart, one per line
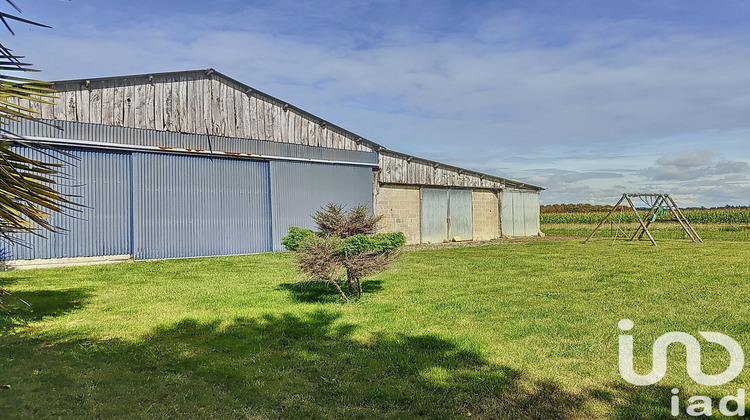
402 209
205 112
174 203
519 215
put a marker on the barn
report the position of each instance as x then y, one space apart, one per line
195 163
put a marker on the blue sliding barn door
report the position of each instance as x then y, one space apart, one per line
300 189
185 206
100 182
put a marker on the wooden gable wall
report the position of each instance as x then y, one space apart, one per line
198 102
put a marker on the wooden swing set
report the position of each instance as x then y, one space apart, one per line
658 205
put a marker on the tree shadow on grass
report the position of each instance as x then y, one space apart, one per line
284 367
269 367
43 304
312 292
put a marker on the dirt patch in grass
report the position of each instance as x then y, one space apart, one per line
499 241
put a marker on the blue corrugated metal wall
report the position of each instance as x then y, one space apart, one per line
160 205
301 189
101 180
186 206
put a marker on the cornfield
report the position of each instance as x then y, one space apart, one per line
708 216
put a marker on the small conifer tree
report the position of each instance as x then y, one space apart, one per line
345 249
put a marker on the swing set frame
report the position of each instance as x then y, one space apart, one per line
656 202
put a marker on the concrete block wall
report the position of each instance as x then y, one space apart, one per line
400 208
485 212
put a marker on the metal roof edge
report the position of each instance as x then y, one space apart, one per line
104 136
131 76
464 170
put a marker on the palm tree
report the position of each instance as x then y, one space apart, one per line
27 194
27 186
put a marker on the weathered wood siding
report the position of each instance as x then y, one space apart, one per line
396 168
193 102
207 102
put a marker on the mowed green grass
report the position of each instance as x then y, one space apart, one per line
504 331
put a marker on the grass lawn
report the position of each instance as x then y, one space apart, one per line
503 331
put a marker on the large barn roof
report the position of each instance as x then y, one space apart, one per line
72 105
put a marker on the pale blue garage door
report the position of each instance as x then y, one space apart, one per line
446 213
520 213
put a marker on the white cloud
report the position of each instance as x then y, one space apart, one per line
514 84
724 166
687 160
692 165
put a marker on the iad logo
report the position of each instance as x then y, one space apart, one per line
702 405
693 349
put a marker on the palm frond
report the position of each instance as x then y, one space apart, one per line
28 186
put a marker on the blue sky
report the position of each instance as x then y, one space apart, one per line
586 98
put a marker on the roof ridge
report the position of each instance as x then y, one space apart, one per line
211 72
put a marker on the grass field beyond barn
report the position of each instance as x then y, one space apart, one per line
504 331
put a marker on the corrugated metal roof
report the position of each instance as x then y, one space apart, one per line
76 84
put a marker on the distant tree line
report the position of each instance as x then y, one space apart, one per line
598 208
